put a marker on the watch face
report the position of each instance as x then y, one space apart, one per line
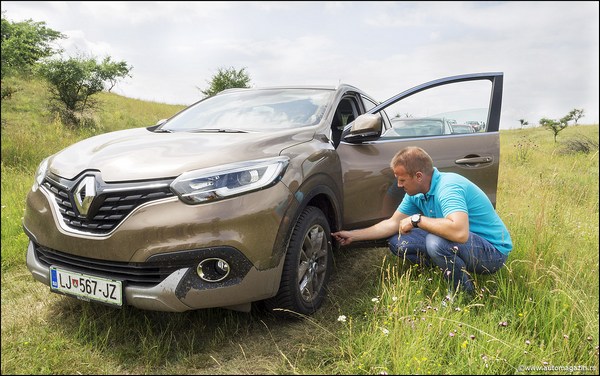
415 218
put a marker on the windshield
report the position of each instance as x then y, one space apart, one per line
254 110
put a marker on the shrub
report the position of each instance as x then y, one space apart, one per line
579 144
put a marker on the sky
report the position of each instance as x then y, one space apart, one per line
548 51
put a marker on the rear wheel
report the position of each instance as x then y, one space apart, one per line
307 266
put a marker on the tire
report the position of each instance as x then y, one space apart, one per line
307 267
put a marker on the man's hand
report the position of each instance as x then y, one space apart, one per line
405 226
342 237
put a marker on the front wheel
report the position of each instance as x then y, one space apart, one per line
307 266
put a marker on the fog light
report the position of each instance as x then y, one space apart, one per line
213 269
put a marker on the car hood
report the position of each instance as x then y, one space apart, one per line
139 154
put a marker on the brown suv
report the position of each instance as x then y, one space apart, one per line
232 200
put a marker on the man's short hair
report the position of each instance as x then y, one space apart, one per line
413 159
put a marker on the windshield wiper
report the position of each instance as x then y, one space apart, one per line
220 130
163 130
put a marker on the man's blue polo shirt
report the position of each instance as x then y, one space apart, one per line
449 193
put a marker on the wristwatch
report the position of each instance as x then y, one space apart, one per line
415 219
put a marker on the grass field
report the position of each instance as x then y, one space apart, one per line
538 315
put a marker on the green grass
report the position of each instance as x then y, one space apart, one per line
541 310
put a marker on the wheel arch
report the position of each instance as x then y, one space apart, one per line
323 198
315 191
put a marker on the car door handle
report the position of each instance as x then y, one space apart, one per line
473 160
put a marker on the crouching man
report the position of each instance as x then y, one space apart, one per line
444 220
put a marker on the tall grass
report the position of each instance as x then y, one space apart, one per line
541 310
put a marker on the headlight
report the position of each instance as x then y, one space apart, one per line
40 174
216 183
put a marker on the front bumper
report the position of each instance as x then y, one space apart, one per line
182 289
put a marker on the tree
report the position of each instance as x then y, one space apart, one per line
523 122
74 80
227 79
555 125
112 71
24 44
576 114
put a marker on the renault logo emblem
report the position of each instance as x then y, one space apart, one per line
85 194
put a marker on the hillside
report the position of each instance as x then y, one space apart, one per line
30 132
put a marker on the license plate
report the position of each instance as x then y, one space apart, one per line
86 287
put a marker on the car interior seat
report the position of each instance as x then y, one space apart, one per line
337 126
343 116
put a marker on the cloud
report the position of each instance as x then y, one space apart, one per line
548 51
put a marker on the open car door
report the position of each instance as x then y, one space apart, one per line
422 116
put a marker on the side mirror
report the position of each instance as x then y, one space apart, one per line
366 127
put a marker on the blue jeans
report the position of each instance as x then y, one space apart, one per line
456 260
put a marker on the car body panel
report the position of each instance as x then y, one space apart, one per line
370 197
138 154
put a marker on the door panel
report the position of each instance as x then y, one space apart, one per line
370 190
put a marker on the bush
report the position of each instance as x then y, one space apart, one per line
7 91
579 144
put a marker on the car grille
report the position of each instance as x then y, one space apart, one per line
144 274
113 204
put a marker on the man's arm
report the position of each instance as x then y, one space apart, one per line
381 230
454 227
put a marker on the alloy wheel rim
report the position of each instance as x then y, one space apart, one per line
313 263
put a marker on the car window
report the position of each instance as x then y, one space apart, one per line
417 127
256 110
345 113
462 128
446 110
369 104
